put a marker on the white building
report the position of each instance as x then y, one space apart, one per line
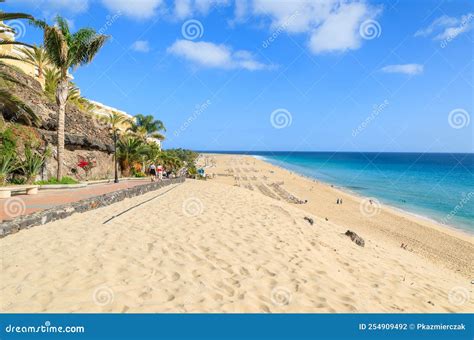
103 110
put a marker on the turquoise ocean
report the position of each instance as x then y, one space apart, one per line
434 185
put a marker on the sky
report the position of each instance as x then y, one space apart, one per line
302 75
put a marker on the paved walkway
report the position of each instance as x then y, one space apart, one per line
18 205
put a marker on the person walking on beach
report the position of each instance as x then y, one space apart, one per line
160 172
153 172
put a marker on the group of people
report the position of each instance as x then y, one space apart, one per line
156 172
339 201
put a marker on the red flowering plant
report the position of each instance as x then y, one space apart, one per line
87 164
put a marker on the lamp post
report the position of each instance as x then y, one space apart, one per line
116 180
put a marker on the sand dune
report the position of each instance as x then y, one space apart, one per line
211 247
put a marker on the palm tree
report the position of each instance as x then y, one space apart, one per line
36 56
52 78
114 121
170 161
67 51
130 150
11 102
147 126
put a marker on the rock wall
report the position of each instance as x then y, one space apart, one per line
103 169
85 136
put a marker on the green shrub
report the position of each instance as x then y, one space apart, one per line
53 180
7 166
8 141
18 180
32 163
139 174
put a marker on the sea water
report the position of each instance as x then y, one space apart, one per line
435 185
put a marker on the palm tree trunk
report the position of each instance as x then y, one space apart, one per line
61 98
116 180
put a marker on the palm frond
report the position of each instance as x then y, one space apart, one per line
63 26
87 44
11 42
5 76
158 136
11 16
56 46
10 57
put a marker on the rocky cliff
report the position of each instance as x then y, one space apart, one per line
84 134
82 130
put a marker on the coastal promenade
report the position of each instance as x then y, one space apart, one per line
49 198
24 211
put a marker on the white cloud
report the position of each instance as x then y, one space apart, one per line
306 14
446 27
329 25
183 8
189 8
142 9
410 69
332 25
340 31
141 46
211 55
241 8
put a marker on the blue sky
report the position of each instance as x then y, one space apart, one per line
335 75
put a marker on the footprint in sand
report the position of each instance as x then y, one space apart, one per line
145 294
234 282
150 247
174 276
243 271
228 290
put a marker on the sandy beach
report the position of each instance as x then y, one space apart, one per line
238 243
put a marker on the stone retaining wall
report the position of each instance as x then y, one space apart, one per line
65 210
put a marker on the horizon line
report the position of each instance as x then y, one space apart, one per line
251 151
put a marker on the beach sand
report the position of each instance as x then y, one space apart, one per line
211 246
